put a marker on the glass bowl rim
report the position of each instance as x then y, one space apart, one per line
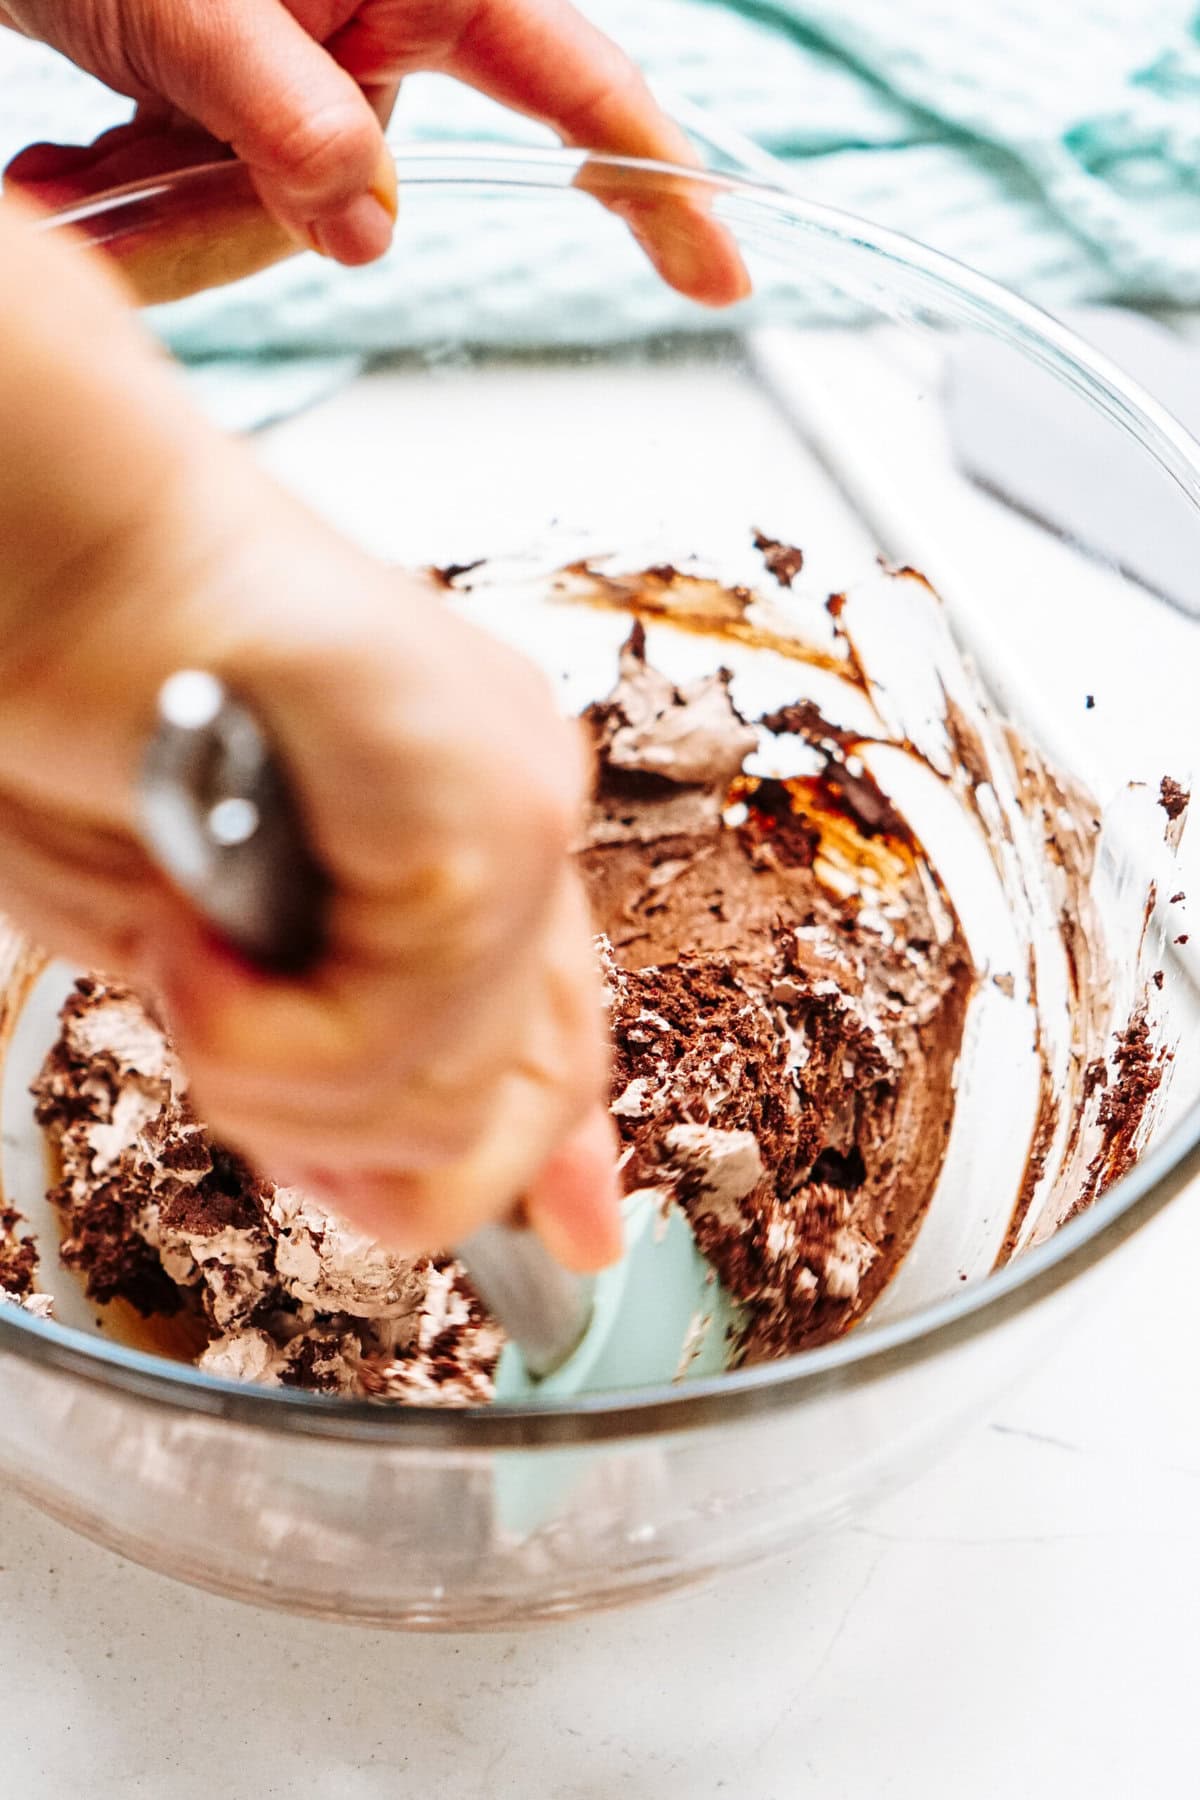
872 1352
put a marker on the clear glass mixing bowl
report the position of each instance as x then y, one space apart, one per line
535 390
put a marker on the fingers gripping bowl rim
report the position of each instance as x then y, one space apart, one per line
873 1352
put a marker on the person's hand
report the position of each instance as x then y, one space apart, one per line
297 89
447 1056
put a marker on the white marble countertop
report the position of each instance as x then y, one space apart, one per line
1022 1621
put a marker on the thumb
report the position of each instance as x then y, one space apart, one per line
252 76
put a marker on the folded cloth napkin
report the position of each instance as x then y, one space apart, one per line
1055 147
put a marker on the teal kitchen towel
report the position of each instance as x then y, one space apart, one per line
1055 146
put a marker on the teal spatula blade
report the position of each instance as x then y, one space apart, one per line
659 1315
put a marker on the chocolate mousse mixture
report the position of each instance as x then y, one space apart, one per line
788 995
158 1216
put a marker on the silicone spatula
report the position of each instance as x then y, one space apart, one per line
218 816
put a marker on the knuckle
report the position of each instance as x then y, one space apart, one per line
329 154
617 88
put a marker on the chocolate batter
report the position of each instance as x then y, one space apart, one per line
785 1040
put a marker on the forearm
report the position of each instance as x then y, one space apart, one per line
451 1036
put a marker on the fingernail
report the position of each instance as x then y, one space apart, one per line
690 250
694 254
386 187
359 233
